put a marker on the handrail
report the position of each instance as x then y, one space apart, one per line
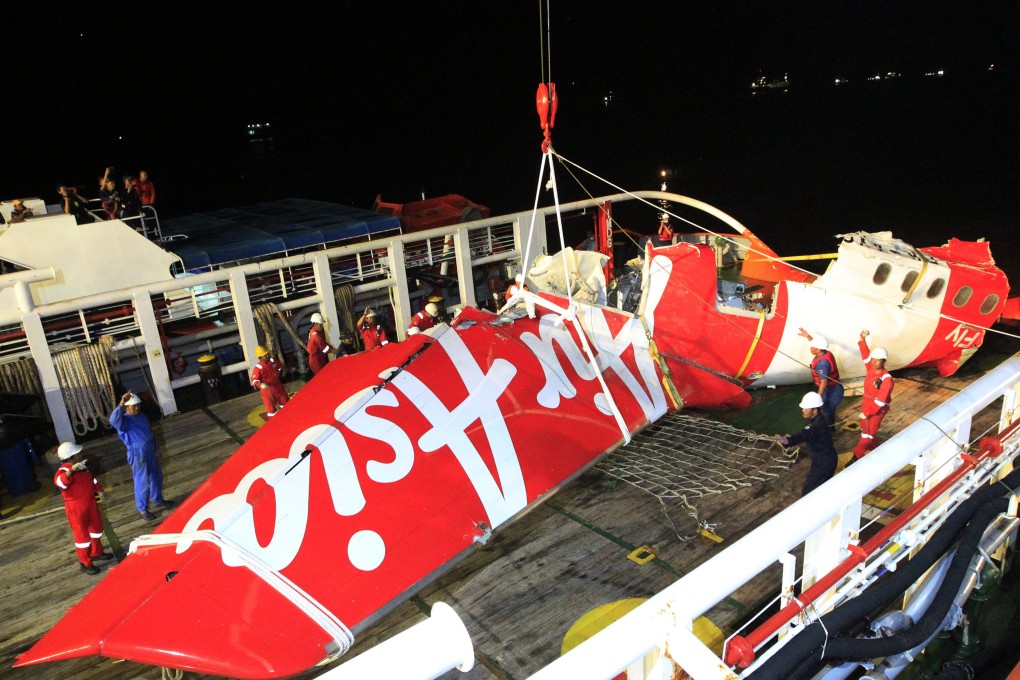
740 650
645 628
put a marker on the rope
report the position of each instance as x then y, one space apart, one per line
681 457
265 326
20 376
85 383
145 377
736 327
570 313
344 295
172 673
767 256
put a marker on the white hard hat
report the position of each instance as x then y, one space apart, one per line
820 343
431 309
68 450
133 400
316 318
519 278
811 400
880 353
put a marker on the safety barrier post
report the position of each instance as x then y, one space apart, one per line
401 297
146 316
465 275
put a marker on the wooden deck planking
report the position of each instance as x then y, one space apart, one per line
518 595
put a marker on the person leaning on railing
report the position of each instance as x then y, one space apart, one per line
20 212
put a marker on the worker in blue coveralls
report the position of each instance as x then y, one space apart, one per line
825 373
133 428
817 437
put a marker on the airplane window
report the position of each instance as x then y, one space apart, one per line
963 296
990 303
936 287
882 273
908 281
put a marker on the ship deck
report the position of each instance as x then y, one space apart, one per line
518 595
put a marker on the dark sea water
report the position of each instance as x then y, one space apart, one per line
927 158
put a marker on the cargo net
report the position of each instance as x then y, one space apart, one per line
681 458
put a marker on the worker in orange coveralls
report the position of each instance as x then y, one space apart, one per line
318 349
878 387
424 320
265 377
79 488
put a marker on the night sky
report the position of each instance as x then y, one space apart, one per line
399 98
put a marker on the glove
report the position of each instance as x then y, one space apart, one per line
783 439
103 496
263 386
80 465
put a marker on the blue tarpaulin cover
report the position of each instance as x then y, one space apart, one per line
266 229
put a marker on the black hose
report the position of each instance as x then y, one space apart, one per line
931 621
825 631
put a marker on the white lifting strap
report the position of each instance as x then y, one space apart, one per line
294 594
570 313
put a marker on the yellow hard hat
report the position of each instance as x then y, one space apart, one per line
261 351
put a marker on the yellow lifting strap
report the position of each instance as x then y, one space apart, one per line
795 258
754 343
667 374
920 275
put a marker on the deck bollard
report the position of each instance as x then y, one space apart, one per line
211 378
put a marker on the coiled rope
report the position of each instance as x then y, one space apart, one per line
20 376
86 383
344 294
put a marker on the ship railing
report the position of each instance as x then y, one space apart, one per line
298 283
826 524
656 638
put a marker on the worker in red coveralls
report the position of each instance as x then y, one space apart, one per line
372 333
265 377
79 488
318 348
424 320
878 386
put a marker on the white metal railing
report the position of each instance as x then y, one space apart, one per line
370 265
654 638
134 316
830 512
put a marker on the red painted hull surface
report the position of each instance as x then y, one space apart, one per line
390 464
403 475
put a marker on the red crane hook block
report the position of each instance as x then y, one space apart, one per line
546 102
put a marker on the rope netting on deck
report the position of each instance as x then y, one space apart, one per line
681 458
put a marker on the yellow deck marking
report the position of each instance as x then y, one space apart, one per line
892 490
598 618
257 416
643 555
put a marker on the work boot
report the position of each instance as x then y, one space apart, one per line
148 516
102 557
166 503
88 569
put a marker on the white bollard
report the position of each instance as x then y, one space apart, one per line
425 650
